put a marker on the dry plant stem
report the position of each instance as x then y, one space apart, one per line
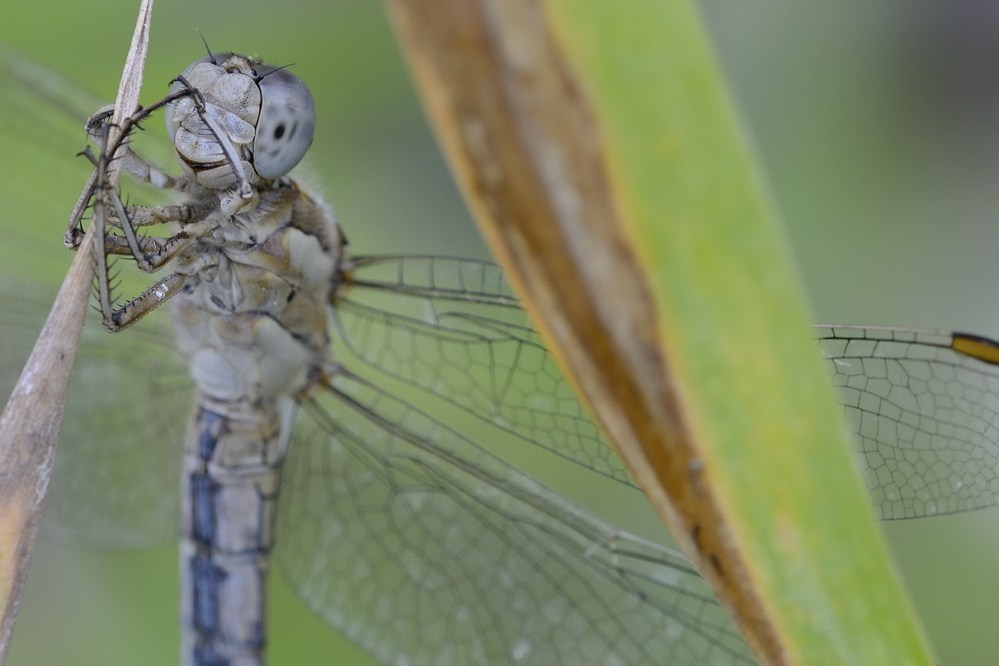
523 143
29 426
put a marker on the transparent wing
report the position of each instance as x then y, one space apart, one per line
423 547
925 416
115 481
453 328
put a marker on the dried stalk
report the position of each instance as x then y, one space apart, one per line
29 426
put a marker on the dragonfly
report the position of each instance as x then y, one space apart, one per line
417 541
415 533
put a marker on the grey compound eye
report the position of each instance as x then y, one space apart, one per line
287 122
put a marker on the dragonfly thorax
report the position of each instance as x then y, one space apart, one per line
252 322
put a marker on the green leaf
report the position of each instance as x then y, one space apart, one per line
733 321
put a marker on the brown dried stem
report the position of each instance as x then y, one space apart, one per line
29 426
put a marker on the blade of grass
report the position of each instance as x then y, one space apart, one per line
599 154
29 426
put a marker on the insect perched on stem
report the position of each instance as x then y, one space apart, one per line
414 539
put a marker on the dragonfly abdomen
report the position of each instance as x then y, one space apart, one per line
230 488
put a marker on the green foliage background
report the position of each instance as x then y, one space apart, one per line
876 124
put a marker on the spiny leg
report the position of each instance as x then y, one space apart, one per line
128 220
139 167
132 162
160 249
149 253
98 229
163 290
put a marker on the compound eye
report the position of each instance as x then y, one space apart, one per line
287 122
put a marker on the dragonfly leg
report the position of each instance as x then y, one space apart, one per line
129 242
136 308
156 253
164 289
149 252
133 163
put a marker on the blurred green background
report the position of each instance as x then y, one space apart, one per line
876 125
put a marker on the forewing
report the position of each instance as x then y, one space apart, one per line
453 328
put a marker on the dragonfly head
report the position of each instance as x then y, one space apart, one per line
256 122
